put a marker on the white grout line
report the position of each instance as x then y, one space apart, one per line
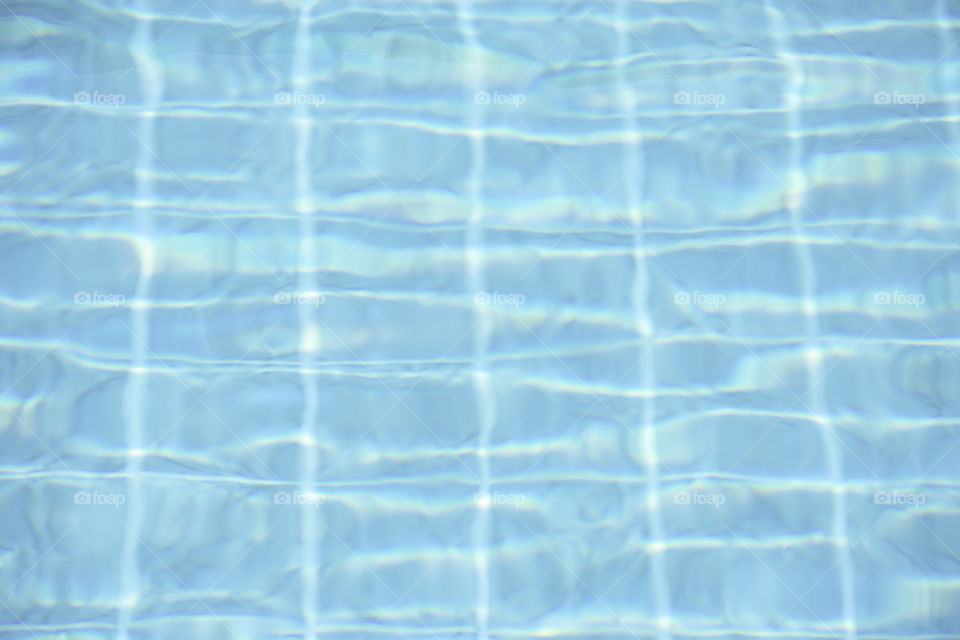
482 389
949 86
813 355
309 328
644 326
151 86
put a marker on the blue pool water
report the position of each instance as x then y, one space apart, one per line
479 319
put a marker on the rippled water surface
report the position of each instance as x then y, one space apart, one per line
479 319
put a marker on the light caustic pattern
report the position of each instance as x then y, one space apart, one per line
480 319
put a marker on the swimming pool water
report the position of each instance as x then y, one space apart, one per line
599 319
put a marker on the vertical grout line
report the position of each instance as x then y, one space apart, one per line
644 325
943 20
151 87
813 355
482 388
309 329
